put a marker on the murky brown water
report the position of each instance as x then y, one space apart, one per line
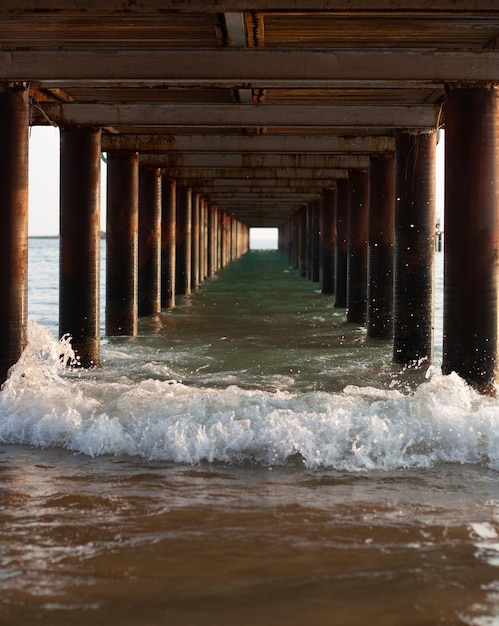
97 541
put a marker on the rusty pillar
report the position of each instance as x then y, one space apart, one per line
358 223
380 247
328 239
195 234
303 242
310 242
211 242
122 218
14 127
183 241
222 236
341 252
316 240
471 235
202 240
414 246
149 241
168 224
80 241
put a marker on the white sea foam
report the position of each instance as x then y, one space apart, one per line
443 420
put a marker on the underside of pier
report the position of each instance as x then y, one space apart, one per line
318 117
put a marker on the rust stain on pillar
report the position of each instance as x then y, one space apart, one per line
358 220
183 241
328 239
341 251
414 247
168 226
471 245
380 247
80 241
149 241
122 218
14 127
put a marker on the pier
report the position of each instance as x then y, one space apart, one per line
317 117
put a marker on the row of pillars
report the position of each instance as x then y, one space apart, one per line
370 241
162 239
378 225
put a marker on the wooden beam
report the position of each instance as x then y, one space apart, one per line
242 115
294 144
202 6
197 176
230 160
251 68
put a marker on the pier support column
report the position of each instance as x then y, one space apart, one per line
14 128
328 238
302 242
358 221
341 251
316 236
122 219
414 246
80 241
195 247
212 241
168 224
380 247
183 241
471 248
149 241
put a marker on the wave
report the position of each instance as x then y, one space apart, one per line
46 404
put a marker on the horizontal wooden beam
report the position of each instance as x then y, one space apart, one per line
250 161
245 69
197 176
202 6
293 144
243 115
300 185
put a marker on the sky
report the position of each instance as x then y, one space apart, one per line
44 184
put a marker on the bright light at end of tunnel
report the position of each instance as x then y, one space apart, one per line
263 238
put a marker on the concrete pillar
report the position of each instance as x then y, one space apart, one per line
122 220
195 235
149 241
80 241
316 238
14 128
471 248
380 247
211 242
341 251
358 221
328 239
183 241
414 246
302 241
168 224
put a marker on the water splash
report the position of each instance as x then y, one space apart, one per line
361 428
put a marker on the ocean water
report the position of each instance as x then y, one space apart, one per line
248 457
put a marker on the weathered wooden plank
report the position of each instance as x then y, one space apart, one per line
202 6
243 115
234 160
251 68
294 144
201 175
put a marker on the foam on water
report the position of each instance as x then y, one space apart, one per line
442 420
